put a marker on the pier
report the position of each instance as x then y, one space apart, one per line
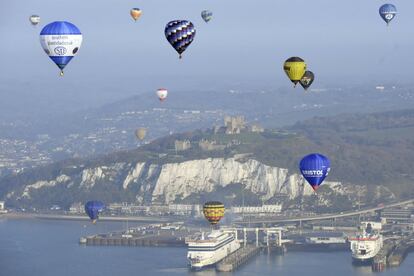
393 253
400 251
237 258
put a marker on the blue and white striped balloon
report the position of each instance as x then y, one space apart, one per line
61 41
180 34
387 12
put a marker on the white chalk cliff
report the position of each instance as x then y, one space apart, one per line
198 176
168 182
42 184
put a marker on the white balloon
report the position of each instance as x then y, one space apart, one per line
162 94
34 19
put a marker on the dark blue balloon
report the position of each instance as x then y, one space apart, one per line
387 12
93 209
180 34
314 168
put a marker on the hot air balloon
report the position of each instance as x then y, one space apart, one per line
162 94
314 168
61 41
135 13
213 211
387 12
93 209
34 19
206 15
180 34
307 79
141 133
295 68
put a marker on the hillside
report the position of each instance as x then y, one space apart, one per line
370 154
34 139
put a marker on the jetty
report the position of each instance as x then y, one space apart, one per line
380 260
237 258
167 234
133 241
400 251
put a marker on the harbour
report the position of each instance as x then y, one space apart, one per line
253 241
59 240
381 239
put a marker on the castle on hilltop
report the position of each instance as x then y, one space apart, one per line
235 125
232 125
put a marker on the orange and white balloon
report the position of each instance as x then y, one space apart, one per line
135 13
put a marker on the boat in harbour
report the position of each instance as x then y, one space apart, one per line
366 244
207 249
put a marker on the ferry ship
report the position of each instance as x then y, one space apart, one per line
366 245
207 250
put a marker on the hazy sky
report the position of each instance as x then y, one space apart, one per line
246 39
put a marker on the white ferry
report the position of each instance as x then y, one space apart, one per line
366 245
207 250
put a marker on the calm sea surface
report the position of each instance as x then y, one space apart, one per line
50 247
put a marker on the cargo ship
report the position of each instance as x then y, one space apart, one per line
366 245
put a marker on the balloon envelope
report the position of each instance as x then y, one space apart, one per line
162 94
61 41
206 15
387 12
135 13
141 133
34 19
314 168
307 79
294 68
93 209
213 211
180 34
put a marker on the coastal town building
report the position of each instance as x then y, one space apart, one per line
398 215
76 208
155 210
264 209
3 209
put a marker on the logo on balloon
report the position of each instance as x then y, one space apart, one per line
313 173
389 16
60 51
